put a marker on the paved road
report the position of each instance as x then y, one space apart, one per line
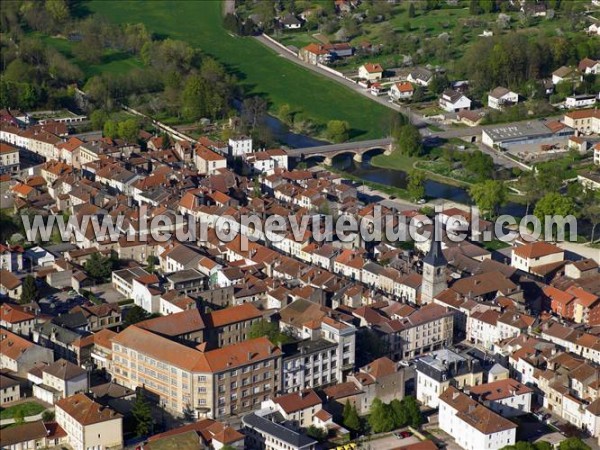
416 119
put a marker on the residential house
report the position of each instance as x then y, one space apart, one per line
586 121
9 158
207 161
581 101
588 66
401 90
565 74
10 389
420 76
501 97
263 431
370 72
17 319
58 380
453 101
532 255
10 285
33 435
298 409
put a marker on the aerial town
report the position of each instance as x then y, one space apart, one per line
311 225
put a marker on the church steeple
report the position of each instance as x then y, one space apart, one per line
434 267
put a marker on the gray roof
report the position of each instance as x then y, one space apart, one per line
435 257
63 369
266 426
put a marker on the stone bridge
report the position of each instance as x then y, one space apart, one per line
358 149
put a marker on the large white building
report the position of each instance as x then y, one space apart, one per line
472 425
240 146
88 424
437 370
507 397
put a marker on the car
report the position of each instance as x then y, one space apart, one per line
421 201
405 434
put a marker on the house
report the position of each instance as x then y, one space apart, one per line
420 76
290 22
525 257
10 285
239 146
11 257
507 397
565 74
207 161
501 97
314 54
58 380
10 389
370 72
17 319
32 435
580 101
20 355
89 424
586 121
453 101
593 29
382 378
589 66
212 434
472 425
298 408
401 90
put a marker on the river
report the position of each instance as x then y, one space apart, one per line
389 177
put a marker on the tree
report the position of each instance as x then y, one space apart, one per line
318 433
350 419
553 204
573 443
99 267
97 118
416 184
58 9
439 83
381 417
400 413
411 10
19 416
254 111
110 129
408 140
489 196
151 261
338 130
415 418
29 290
142 415
129 130
134 315
592 212
528 186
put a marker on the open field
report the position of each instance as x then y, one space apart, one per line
259 70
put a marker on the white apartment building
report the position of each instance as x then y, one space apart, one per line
472 425
59 379
240 146
89 425
9 158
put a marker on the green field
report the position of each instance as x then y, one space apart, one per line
259 70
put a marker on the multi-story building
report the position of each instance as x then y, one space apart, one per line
20 355
89 425
441 369
213 384
506 397
16 319
426 329
264 432
586 121
472 425
60 379
9 158
527 256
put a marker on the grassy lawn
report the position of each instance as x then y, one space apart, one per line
29 409
259 69
397 161
112 61
495 245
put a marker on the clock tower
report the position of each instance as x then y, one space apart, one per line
434 268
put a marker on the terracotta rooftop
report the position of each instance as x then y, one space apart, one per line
86 411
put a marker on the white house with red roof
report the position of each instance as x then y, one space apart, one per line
370 72
401 90
534 254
